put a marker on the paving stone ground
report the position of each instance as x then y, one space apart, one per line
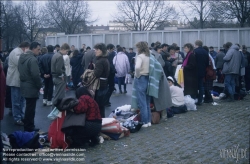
212 134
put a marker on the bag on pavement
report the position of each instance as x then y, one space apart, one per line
54 114
190 103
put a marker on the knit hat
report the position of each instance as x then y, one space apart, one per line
170 78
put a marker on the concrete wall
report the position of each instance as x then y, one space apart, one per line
210 37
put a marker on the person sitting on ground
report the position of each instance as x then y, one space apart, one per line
177 95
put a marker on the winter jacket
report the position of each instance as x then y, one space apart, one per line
89 106
87 58
102 69
67 65
121 64
219 60
232 61
30 81
202 61
110 58
57 65
13 73
45 64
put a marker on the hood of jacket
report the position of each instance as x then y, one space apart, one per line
235 47
26 56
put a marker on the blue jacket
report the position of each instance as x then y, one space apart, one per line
202 60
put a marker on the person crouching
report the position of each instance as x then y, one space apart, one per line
177 95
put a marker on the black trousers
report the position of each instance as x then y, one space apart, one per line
29 114
48 88
111 84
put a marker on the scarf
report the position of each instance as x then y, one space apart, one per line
186 59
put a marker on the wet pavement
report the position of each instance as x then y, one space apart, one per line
212 134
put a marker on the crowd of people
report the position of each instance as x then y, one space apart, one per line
30 67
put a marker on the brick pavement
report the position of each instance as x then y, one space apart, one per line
194 137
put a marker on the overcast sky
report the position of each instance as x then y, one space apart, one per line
103 10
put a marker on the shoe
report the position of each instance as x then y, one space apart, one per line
32 130
108 104
125 92
208 101
44 102
120 92
49 103
149 124
198 103
19 122
145 125
41 91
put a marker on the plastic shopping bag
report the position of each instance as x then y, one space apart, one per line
54 114
190 103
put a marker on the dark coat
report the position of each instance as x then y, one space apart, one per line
168 69
219 60
202 61
110 58
45 64
30 81
77 69
190 76
102 69
2 91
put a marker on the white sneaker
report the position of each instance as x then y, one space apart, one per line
149 124
44 102
49 103
145 125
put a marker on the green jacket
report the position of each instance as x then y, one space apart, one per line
30 81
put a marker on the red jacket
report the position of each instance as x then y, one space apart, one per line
89 106
55 135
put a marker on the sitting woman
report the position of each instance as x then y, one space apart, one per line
93 123
177 95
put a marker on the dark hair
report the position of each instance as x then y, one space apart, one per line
238 44
119 49
228 45
24 44
123 47
88 48
157 47
50 48
57 46
110 46
190 46
165 56
65 46
198 43
34 45
44 50
244 47
152 44
82 91
75 52
211 47
102 47
171 48
206 48
164 45
130 48
177 48
118 46
69 52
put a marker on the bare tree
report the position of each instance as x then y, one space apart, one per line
67 15
197 12
141 15
235 9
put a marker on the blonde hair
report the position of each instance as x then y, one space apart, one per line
143 48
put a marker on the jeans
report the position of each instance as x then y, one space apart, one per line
48 88
201 90
30 110
121 81
143 100
18 103
230 83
